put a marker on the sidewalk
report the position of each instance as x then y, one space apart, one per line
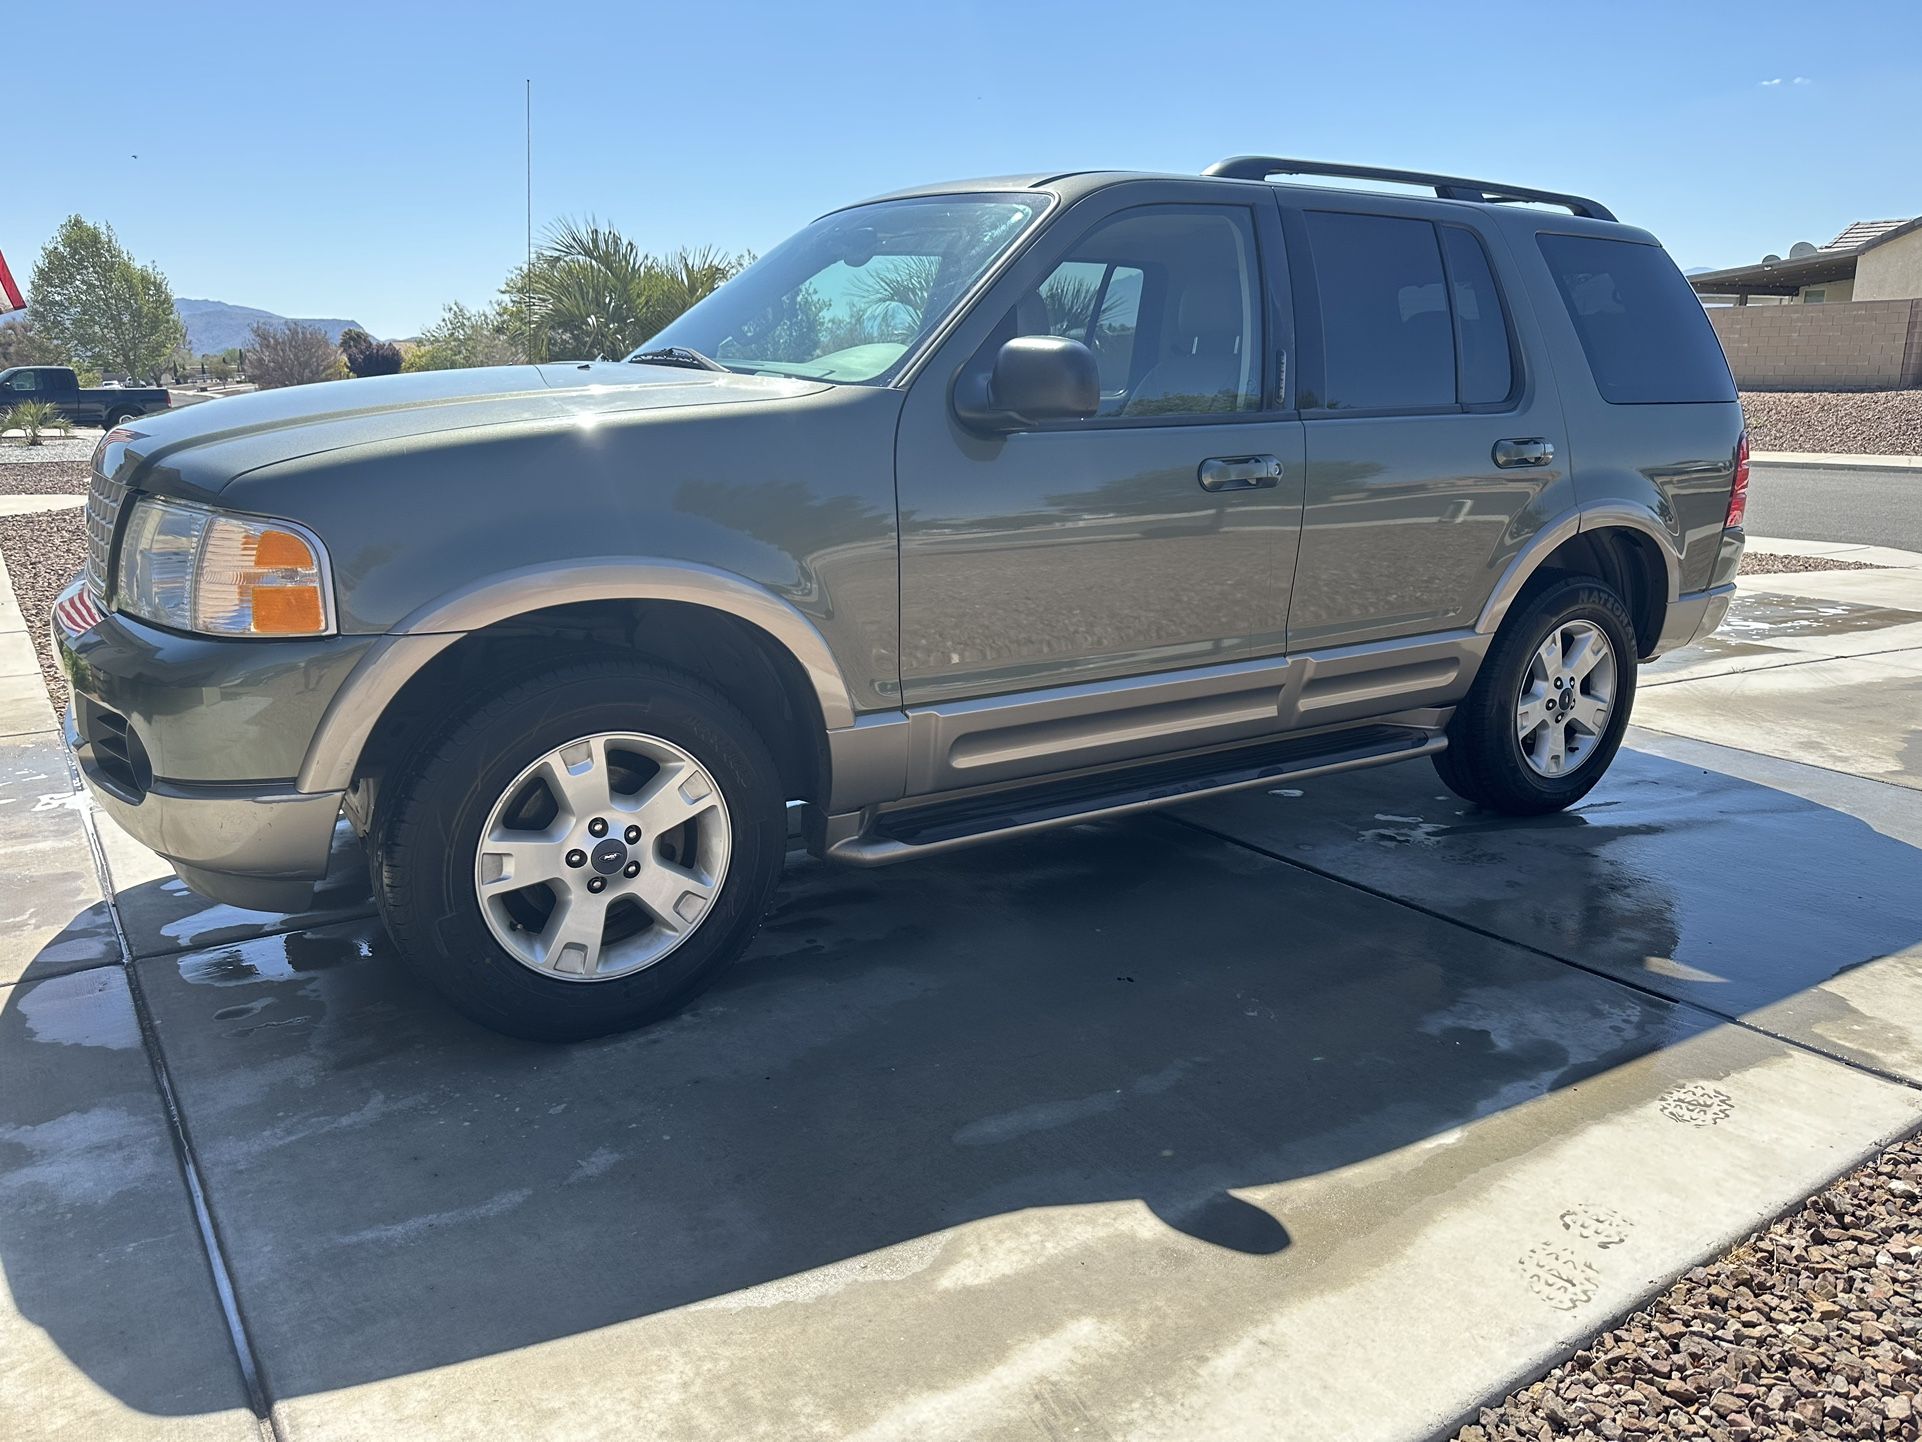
91 1200
1836 460
1819 667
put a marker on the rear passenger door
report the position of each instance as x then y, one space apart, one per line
1433 449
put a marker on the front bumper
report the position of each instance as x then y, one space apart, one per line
262 849
171 734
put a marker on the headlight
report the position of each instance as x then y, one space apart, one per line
199 570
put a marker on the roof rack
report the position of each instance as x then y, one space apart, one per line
1448 187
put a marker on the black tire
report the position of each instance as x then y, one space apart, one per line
427 828
1484 762
118 418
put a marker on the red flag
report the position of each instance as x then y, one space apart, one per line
9 292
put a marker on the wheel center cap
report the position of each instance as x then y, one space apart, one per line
609 856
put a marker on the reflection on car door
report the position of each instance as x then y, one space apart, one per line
1431 456
1159 534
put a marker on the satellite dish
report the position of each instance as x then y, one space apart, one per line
1770 259
1800 249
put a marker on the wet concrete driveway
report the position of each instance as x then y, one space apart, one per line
1328 1112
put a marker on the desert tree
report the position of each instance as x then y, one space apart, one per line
366 356
22 343
464 337
101 309
291 354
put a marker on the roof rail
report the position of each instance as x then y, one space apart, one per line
1448 187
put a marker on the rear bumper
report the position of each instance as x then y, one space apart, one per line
1694 616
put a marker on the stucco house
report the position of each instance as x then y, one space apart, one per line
1871 260
1842 316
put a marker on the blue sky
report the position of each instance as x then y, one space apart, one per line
366 160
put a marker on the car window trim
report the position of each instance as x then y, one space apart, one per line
1262 314
1305 284
1509 401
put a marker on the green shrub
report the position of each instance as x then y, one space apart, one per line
32 418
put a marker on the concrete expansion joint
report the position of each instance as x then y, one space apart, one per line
1647 992
1894 786
246 1359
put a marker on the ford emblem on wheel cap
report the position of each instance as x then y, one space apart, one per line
609 857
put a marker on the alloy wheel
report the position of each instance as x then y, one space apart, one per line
602 856
1566 698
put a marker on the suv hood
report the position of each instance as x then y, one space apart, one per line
205 446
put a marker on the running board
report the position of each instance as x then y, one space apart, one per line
949 825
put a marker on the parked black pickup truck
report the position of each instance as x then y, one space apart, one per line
106 406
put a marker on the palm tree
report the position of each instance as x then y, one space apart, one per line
689 276
593 293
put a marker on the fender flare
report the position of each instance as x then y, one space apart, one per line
1544 543
394 660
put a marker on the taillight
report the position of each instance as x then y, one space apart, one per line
1738 497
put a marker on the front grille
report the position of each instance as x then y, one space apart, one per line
104 499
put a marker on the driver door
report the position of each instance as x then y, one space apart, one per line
1157 536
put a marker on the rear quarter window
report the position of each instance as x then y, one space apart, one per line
1646 336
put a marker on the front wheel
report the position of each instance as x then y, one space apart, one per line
583 853
1551 702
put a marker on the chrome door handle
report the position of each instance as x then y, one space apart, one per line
1531 451
1238 473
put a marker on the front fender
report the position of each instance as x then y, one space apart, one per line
372 685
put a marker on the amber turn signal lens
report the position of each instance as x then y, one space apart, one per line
288 611
283 549
283 585
259 579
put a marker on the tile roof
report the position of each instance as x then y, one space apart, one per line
1863 232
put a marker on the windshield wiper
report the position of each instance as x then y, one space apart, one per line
676 355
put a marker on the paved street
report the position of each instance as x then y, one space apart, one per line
1812 503
1169 1128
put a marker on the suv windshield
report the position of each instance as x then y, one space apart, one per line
846 298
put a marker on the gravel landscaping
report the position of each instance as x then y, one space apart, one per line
41 476
43 552
1870 423
54 450
1810 1329
1755 564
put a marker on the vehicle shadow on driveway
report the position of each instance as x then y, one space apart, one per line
1135 1013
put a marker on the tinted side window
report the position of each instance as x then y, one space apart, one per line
1169 300
1645 334
1386 336
1487 366
22 382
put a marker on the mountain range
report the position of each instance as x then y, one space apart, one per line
214 326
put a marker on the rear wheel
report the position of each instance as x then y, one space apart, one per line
118 418
583 853
1551 702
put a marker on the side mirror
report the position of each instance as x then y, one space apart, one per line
1034 378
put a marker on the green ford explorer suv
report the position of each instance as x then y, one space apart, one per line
972 510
